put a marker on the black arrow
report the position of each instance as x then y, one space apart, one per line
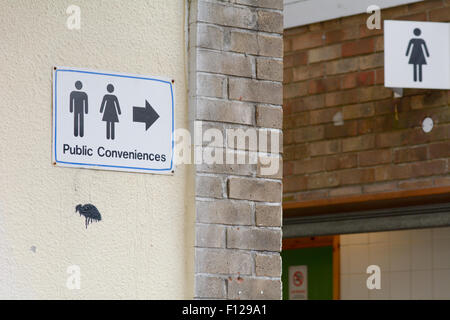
146 115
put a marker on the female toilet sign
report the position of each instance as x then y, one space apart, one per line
416 54
112 121
418 48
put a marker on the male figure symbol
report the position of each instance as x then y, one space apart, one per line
78 106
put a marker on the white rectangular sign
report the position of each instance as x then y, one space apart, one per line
298 282
416 54
112 121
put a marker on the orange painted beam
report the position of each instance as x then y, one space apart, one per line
367 201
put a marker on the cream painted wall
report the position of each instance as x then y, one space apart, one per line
143 248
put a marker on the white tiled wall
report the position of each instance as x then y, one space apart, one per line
415 264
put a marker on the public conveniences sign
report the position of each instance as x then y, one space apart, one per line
111 121
416 54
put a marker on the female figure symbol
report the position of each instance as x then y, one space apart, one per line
111 108
417 58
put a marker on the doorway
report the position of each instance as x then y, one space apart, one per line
311 268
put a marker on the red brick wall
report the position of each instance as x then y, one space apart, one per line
336 67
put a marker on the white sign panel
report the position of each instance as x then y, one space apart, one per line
111 121
298 283
417 54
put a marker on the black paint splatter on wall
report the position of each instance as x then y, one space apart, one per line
90 213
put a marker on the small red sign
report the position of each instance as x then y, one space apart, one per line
298 278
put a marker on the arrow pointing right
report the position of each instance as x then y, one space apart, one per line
145 115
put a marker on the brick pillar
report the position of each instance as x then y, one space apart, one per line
235 81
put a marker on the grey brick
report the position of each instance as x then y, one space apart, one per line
210 236
268 265
209 287
269 117
271 134
258 44
209 186
270 166
255 91
253 139
227 15
224 63
254 238
270 46
270 21
250 288
267 215
225 111
244 42
210 36
212 85
246 169
207 125
241 138
253 189
224 212
269 69
270 4
223 261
